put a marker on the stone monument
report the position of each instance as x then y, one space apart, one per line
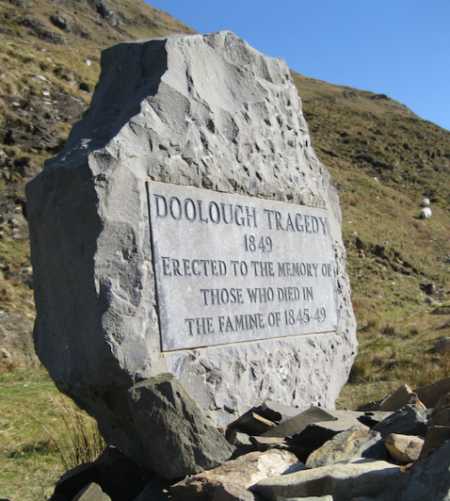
187 227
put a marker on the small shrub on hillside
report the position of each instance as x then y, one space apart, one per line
389 330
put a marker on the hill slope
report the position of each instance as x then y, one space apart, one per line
382 157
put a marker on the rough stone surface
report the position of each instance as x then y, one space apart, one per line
205 111
429 479
315 435
347 446
439 427
409 420
92 492
400 397
119 477
242 472
342 481
432 393
176 437
155 490
297 423
404 449
231 492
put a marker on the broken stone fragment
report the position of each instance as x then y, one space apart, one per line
435 437
357 442
118 476
177 438
155 490
342 481
243 472
316 434
439 429
429 479
296 424
400 397
403 449
93 492
266 443
409 420
432 393
251 423
230 492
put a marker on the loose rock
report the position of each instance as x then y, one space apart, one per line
409 420
342 481
316 434
403 449
439 429
429 479
296 424
117 476
242 472
92 492
400 397
155 490
432 393
177 439
357 442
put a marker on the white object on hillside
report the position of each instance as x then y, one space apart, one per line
425 202
425 213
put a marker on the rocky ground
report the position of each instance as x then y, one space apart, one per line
395 449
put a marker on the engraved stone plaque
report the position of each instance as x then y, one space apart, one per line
233 269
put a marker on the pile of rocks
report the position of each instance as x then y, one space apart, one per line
397 450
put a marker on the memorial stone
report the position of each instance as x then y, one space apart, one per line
188 227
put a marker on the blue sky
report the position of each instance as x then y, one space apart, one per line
397 47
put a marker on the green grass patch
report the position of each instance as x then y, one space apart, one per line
42 434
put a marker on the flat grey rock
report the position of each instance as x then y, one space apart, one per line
342 481
92 492
357 442
194 111
408 420
297 423
241 473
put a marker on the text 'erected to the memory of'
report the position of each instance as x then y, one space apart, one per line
233 269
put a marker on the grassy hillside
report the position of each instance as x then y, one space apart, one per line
49 64
382 157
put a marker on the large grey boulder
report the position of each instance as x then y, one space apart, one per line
172 435
206 111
